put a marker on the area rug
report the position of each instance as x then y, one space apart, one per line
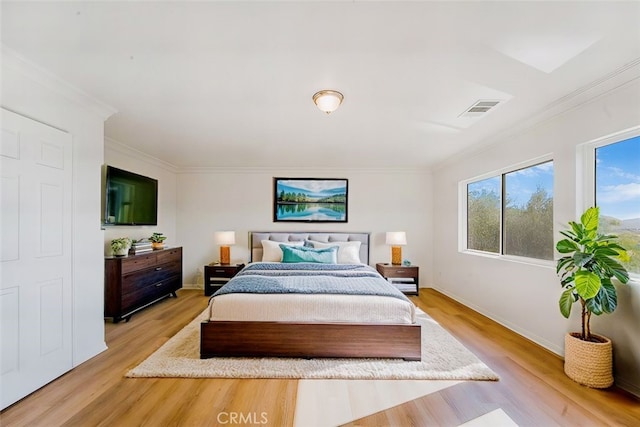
443 358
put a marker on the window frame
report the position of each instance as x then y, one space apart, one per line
463 211
586 185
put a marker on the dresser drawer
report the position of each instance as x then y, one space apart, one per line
143 278
145 295
168 255
139 262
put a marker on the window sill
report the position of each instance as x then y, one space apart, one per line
511 258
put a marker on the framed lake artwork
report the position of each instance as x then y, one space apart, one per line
310 199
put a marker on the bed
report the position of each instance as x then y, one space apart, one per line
273 309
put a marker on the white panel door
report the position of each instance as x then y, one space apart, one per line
35 255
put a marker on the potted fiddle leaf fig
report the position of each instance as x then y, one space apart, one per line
121 246
589 263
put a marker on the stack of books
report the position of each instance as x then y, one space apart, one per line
140 246
404 284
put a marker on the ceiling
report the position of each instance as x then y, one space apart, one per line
230 84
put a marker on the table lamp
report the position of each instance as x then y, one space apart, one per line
225 239
396 239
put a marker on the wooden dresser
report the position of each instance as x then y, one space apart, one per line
135 281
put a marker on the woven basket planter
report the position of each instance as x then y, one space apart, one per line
589 363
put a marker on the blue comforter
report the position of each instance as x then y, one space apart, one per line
310 278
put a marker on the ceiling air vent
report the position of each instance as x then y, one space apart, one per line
480 108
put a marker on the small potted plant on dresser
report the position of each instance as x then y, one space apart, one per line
121 246
157 240
590 260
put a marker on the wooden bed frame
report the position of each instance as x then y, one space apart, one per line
306 339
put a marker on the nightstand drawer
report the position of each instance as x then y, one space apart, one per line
400 271
217 275
222 271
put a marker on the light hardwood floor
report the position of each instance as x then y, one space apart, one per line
533 389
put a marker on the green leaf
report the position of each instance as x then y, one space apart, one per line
564 262
608 296
605 251
565 246
614 268
594 306
590 219
578 230
570 235
567 280
581 259
566 301
606 237
587 284
623 255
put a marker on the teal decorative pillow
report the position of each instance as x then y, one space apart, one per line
305 254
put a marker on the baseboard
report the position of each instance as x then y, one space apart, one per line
627 386
523 332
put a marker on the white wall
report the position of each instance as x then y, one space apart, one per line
122 157
193 205
30 91
242 200
523 296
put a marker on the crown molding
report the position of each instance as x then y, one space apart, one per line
301 171
124 149
49 80
112 144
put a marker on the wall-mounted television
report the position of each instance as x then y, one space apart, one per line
129 198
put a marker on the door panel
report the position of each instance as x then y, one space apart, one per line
35 263
10 198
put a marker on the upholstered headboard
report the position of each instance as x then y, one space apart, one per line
256 238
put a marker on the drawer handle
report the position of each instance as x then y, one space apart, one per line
219 271
158 268
399 271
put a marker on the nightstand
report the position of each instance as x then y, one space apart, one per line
405 278
216 275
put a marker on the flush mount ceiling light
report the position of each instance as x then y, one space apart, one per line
328 100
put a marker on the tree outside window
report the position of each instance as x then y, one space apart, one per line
528 213
483 215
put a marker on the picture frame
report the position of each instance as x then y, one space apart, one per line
310 199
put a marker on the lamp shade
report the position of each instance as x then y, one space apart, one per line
328 100
225 238
396 238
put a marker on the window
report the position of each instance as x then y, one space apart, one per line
617 194
512 213
483 215
528 212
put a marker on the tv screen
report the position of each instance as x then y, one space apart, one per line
130 199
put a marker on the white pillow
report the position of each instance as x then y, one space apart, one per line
348 252
271 251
